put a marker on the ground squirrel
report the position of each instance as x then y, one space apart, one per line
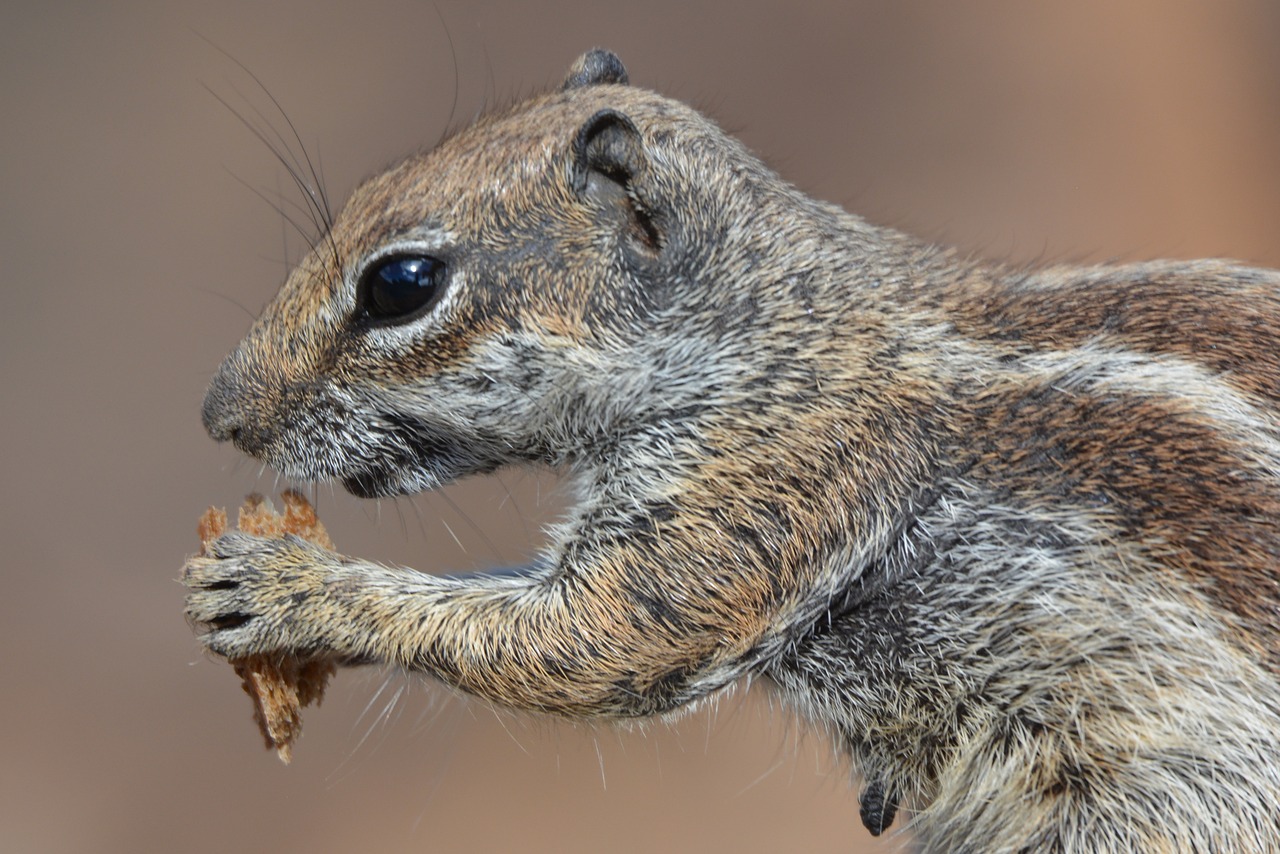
1009 535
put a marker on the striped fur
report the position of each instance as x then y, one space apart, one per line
1010 536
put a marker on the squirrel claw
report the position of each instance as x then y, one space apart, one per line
242 596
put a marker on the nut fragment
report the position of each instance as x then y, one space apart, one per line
280 684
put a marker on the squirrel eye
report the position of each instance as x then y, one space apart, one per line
401 286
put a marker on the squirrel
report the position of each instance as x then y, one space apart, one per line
1010 536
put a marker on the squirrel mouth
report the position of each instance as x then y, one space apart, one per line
368 484
414 457
393 480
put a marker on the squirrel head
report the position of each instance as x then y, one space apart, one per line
535 287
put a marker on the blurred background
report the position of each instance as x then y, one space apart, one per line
134 251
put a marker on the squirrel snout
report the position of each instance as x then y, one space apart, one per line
225 413
220 416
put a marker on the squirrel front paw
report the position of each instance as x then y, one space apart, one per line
250 595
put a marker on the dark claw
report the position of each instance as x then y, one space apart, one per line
225 642
229 621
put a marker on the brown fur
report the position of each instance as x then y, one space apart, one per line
1009 536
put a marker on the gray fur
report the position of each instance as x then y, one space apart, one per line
1009 536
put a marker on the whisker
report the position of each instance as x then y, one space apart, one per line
515 505
369 705
278 209
319 173
438 702
314 191
453 55
284 231
595 739
490 95
484 538
228 298
261 136
502 722
449 528
417 513
283 146
404 528
319 188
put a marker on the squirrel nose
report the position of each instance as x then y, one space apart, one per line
229 407
219 413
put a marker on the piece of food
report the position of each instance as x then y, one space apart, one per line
280 685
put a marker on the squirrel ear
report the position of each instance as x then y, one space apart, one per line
594 67
609 162
609 144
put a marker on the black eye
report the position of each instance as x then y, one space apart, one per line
399 287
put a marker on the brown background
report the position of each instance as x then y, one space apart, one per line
131 255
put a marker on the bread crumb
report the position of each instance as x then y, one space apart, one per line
280 685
